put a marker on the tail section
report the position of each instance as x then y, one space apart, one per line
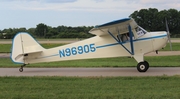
22 45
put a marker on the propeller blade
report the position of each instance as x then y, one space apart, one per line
168 34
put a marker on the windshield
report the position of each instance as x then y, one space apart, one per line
140 31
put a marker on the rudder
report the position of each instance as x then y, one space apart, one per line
22 45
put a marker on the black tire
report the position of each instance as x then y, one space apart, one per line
147 64
143 66
21 69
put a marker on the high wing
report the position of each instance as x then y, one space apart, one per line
118 27
115 27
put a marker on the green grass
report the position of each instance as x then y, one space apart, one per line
51 45
175 47
156 61
6 48
162 87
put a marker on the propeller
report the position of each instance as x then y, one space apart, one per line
168 34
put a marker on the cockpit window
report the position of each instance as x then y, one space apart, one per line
124 37
140 31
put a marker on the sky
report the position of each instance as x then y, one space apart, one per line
29 13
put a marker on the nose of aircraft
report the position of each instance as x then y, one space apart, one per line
159 40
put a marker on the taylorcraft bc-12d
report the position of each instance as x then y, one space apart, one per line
120 38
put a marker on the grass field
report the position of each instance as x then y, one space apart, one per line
6 48
175 47
160 87
163 87
155 61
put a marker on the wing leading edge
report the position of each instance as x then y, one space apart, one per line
117 26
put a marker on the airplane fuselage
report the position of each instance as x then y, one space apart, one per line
99 47
119 38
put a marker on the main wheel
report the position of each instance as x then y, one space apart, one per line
147 64
21 69
143 66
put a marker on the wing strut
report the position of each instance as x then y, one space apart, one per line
131 40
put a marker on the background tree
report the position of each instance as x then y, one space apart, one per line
31 31
52 32
153 20
41 30
150 19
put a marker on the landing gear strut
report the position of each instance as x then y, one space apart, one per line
21 68
143 66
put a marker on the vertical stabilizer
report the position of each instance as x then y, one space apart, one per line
22 45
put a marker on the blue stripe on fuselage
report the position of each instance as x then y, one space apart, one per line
108 45
141 39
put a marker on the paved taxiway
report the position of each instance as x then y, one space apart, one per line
95 72
90 72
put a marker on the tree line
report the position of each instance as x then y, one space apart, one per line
150 19
44 31
153 20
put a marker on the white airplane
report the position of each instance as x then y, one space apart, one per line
120 38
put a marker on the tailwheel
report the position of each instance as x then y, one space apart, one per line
143 66
21 68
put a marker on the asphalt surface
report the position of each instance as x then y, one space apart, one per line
95 72
90 72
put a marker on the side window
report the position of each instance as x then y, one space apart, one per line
140 32
123 37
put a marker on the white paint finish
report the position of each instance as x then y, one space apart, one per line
107 49
114 28
101 46
17 49
30 45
